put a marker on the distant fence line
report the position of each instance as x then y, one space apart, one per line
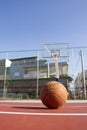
77 65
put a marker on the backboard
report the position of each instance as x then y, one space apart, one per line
59 49
55 51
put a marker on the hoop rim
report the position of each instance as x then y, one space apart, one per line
55 53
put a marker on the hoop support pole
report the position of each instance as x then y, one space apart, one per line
56 68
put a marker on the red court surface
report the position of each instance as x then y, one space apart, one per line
33 115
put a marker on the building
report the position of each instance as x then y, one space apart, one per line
24 68
23 74
32 67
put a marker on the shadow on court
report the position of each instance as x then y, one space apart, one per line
32 108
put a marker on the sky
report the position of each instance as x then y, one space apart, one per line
28 24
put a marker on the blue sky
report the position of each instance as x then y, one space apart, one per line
27 24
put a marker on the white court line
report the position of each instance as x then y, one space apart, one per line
39 101
43 114
21 101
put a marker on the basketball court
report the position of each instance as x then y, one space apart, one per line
33 115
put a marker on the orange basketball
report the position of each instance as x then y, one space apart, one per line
53 94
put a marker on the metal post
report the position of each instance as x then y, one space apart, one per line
48 69
5 89
56 67
73 74
37 73
83 73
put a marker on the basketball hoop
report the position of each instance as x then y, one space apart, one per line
55 54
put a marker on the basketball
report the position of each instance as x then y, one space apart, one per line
53 94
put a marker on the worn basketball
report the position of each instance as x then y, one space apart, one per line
53 94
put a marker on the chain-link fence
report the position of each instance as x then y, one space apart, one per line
24 72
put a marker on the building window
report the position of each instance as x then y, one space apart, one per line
16 74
